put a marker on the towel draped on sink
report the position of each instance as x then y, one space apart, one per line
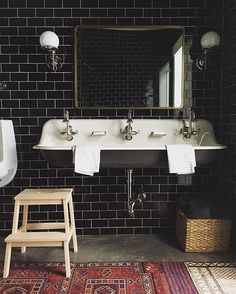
87 159
181 158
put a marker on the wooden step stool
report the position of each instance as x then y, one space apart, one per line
20 237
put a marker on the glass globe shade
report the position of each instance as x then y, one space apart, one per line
49 40
210 39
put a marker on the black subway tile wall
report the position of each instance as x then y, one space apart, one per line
228 107
34 95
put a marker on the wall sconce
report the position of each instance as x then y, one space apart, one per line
208 41
50 42
3 85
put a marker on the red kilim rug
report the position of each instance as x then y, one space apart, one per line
99 278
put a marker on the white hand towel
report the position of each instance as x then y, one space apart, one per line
181 158
87 159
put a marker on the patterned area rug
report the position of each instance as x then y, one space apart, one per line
213 278
99 278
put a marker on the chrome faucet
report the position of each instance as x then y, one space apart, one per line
128 130
68 129
189 127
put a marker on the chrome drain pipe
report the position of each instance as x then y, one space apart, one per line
130 202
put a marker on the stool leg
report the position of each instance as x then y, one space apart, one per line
72 219
24 223
66 243
66 216
7 260
67 258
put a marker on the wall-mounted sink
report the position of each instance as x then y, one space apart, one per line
146 149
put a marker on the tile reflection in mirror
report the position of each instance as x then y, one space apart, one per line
129 67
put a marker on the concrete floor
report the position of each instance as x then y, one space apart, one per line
120 248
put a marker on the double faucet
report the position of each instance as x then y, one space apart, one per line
68 129
128 130
189 127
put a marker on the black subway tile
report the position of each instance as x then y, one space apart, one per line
4 3
116 12
28 67
44 12
54 21
108 231
116 222
91 231
19 94
4 58
62 13
188 12
19 77
19 58
170 12
36 22
72 22
26 12
71 3
152 12
53 3
160 22
9 49
34 4
179 3
8 12
89 3
98 12
125 3
18 40
133 12
99 223
161 3
8 31
107 3
27 86
196 4
10 68
143 3
99 206
4 22
107 214
125 21
214 3
125 231
90 214
90 21
142 230
107 21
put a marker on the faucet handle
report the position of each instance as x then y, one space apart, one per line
130 112
192 114
66 116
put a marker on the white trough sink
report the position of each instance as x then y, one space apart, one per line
145 149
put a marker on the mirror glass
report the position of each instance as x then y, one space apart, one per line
129 67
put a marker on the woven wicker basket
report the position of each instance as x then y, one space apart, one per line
202 235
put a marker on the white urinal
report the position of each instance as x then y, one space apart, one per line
8 156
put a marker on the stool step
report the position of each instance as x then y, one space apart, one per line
37 237
43 196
